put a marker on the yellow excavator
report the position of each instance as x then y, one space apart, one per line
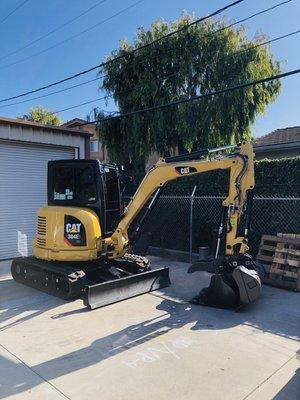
83 241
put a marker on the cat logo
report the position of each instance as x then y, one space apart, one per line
185 170
74 232
73 228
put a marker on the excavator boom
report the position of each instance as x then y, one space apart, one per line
241 167
236 281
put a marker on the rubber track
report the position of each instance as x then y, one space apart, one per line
72 280
133 262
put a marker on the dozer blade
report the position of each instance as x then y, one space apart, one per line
105 293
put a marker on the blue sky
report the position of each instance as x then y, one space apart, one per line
37 17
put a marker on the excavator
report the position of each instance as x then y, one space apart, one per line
83 240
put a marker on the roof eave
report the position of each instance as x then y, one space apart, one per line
278 146
35 125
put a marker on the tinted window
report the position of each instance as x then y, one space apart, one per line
73 183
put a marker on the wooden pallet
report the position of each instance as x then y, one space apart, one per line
280 256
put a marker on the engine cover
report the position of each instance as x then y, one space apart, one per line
67 234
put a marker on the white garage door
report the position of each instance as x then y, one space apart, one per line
23 189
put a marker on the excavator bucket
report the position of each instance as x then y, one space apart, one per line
236 281
249 284
219 294
109 292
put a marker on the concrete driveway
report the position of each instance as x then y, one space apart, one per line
155 346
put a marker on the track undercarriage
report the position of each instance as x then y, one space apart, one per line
98 283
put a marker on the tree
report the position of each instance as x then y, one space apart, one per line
200 59
39 114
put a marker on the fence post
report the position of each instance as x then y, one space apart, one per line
191 221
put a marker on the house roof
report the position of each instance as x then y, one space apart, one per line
74 121
279 137
78 123
62 129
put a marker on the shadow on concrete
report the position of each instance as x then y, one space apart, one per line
174 316
291 390
275 312
16 300
16 378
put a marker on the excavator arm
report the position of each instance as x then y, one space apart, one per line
241 182
236 280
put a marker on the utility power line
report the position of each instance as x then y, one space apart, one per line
210 34
169 76
53 30
73 36
230 26
276 39
98 78
103 76
13 11
195 98
78 105
52 93
127 54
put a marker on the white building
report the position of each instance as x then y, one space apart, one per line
25 149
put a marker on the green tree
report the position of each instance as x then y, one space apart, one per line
200 59
42 116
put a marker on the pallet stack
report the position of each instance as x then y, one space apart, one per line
280 256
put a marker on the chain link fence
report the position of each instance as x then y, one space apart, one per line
188 222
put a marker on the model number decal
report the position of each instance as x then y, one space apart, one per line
74 232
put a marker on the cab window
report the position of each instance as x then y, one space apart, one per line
73 183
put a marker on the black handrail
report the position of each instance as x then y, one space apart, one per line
194 155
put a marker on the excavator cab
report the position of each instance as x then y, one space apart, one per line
83 210
87 184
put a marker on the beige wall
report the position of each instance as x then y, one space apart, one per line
101 154
38 135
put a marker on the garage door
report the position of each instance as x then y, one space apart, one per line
23 189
